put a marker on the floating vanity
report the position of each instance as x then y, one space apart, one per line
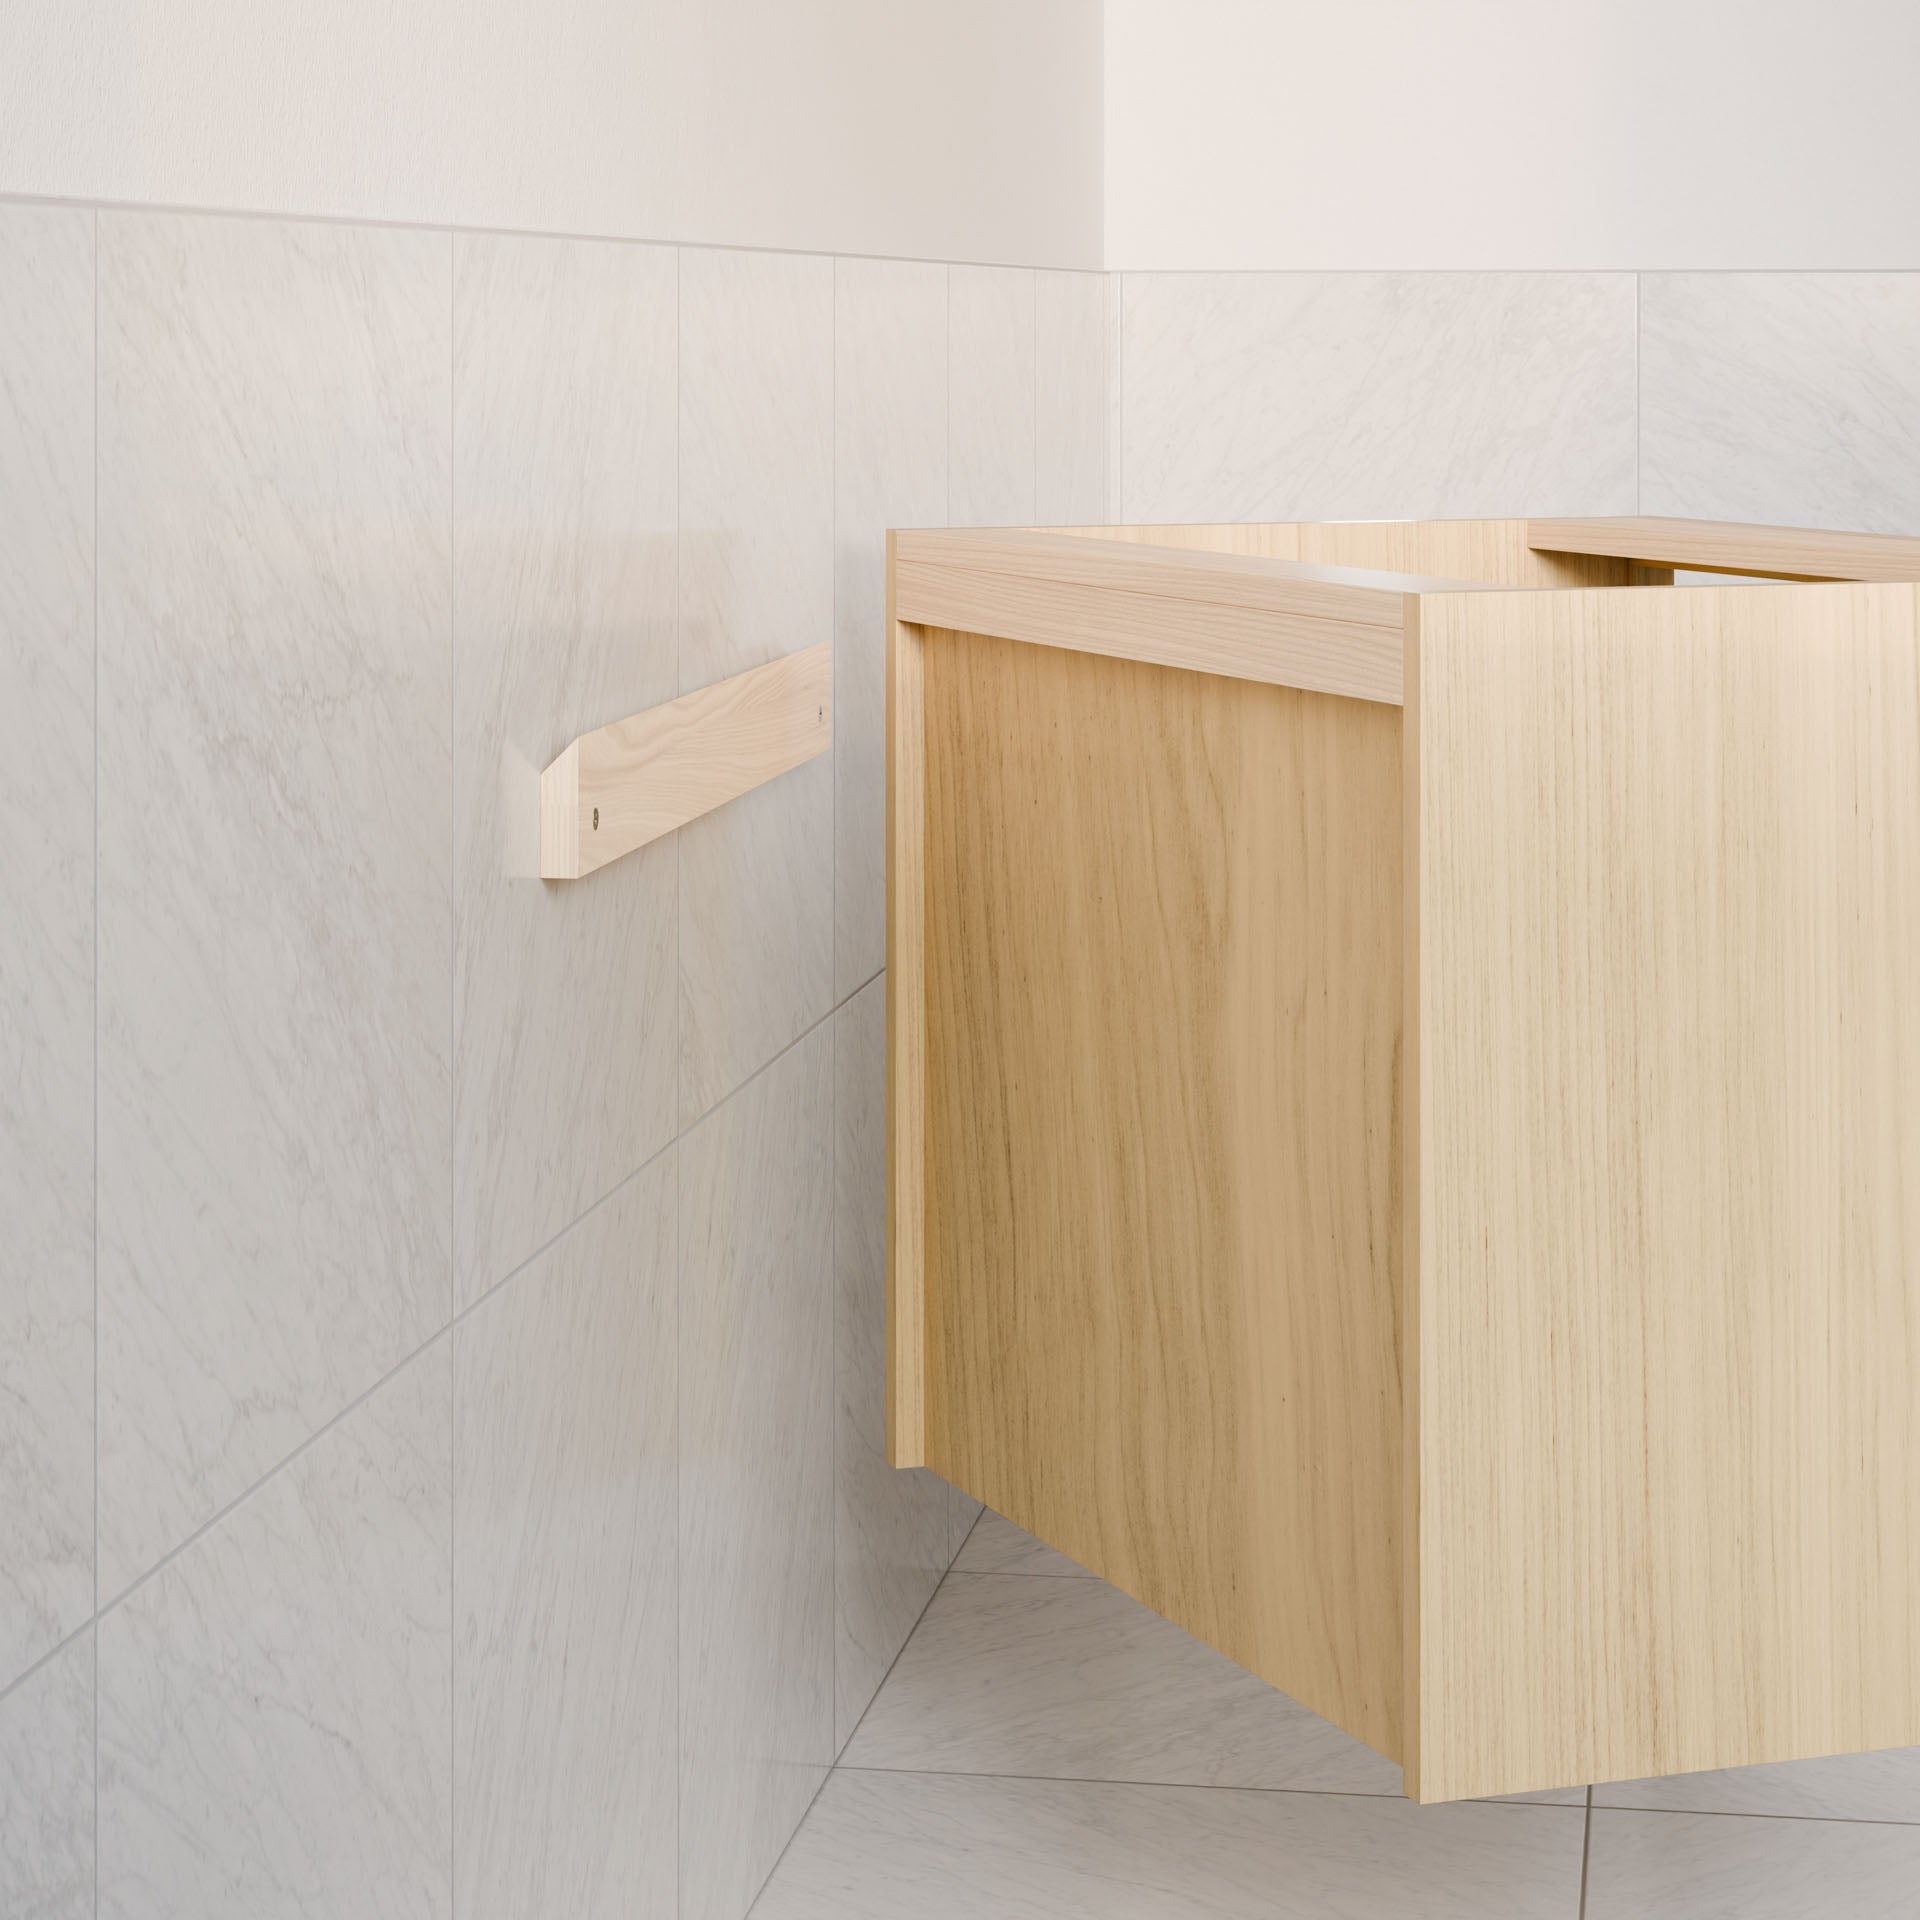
1404 1121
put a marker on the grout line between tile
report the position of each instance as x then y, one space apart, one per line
94 1623
432 1340
453 1034
1586 1856
189 209
679 1231
1192 1786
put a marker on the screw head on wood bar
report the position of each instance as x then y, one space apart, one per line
596 819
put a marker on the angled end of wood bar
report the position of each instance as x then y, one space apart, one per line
1403 1145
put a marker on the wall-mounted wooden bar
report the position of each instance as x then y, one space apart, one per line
628 783
1729 546
1404 1115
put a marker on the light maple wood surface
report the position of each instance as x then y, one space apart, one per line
1427 1194
1332 629
622 785
1794 553
1491 552
1668 1226
1162 995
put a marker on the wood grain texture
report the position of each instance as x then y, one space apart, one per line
625 784
1794 553
1667 1297
1330 629
1162 947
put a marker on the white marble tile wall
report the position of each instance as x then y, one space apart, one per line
555 1606
892 1530
756 582
276 1701
565 1576
756 1474
889 470
46 931
1785 398
275 1074
566 570
1338 396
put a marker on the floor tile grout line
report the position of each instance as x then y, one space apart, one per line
1586 1857
1356 1793
834 1765
1199 1786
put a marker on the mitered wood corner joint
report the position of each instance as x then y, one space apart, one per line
627 783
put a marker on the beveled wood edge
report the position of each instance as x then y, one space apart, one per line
1808 554
656 770
906 1038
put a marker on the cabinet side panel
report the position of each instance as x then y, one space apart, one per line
1669 1274
1163 1017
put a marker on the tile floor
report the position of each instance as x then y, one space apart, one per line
1045 1748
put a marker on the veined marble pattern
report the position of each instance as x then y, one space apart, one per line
566 1746
1070 399
1848 1786
275 1701
1323 396
992 373
565 581
1785 398
1666 1866
882 1846
891 1542
1072 1679
275 846
996 1545
756 582
756 1474
890 470
46 1789
46 930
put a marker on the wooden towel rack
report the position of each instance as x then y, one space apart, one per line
618 787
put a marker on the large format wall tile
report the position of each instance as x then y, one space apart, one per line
275 846
1070 399
990 396
1321 396
756 1475
1782 397
881 1846
565 443
891 1540
1667 1866
566 1748
890 470
46 930
756 582
275 1701
46 1790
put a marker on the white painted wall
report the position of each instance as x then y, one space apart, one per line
943 129
1507 133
